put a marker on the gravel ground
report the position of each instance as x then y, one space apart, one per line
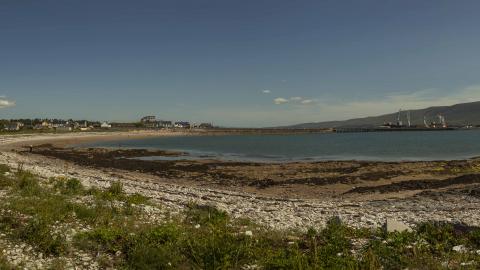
282 214
273 212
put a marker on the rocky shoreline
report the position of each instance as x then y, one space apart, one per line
363 194
457 204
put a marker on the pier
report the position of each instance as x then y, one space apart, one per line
359 130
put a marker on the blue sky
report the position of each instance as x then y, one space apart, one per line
235 63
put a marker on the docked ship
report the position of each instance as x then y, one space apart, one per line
439 123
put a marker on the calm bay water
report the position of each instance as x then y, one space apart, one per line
383 146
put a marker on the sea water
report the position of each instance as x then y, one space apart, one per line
372 146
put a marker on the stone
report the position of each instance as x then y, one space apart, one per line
460 249
249 233
85 259
392 225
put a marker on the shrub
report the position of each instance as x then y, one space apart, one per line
85 213
9 222
4 168
74 186
37 233
115 189
49 207
441 237
4 180
105 239
101 214
28 185
136 199
390 254
155 248
71 186
285 258
113 192
151 257
216 244
205 214
474 238
334 246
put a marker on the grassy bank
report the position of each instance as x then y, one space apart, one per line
67 224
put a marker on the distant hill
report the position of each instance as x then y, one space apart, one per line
456 115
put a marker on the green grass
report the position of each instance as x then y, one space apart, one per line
204 237
220 243
5 181
115 192
70 186
34 209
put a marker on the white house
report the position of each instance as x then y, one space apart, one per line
105 125
182 124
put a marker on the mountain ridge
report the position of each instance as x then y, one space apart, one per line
456 115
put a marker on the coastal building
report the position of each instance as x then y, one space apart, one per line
182 124
150 122
46 125
16 126
165 124
105 125
43 125
148 119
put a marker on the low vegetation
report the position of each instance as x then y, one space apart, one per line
4 264
61 218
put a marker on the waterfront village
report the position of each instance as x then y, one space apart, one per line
60 125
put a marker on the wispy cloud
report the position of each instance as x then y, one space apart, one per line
295 100
5 103
280 101
266 91
307 101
